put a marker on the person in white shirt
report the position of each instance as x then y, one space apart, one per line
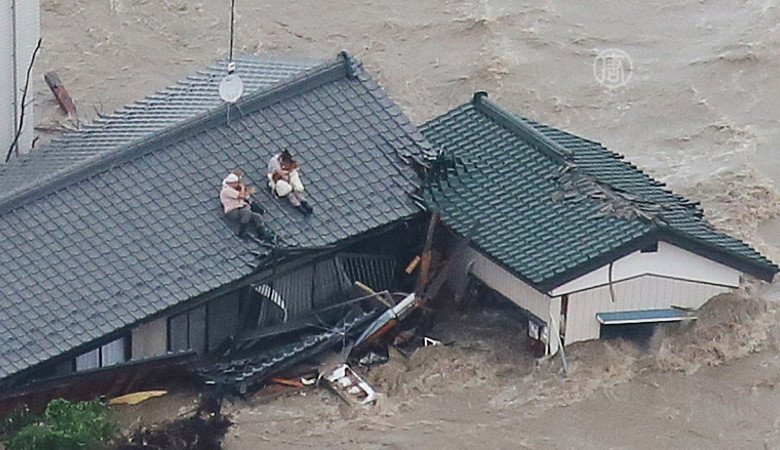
285 181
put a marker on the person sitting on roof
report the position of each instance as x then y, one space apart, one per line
285 181
235 202
256 207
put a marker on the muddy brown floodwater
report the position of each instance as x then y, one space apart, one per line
699 112
711 384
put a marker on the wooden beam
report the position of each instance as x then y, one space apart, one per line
60 93
425 264
412 265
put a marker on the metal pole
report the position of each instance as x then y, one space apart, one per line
232 25
15 63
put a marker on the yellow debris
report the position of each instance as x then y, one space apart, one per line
135 397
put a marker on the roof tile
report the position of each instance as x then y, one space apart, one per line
133 246
523 226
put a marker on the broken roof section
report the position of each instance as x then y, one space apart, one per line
139 229
187 98
550 206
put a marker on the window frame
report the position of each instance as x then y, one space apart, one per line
188 314
126 354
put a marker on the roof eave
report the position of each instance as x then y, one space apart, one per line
266 268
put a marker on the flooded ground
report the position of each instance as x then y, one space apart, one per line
699 112
713 384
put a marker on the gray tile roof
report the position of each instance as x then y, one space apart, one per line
550 206
140 229
188 98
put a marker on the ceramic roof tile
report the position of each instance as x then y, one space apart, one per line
516 195
188 98
132 246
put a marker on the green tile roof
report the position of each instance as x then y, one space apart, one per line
550 206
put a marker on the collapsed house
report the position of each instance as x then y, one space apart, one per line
115 248
567 230
118 260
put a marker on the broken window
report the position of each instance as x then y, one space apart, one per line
321 284
376 271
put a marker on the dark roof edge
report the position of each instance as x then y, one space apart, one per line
513 123
330 71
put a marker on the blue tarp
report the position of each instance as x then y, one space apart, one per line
644 316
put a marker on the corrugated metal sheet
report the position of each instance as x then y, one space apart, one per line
648 292
375 271
322 284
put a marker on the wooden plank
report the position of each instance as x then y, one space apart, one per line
60 93
412 265
425 264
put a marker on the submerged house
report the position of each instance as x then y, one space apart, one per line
115 248
570 232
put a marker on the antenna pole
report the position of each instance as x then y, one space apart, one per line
232 25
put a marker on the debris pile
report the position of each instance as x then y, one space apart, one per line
360 336
202 431
240 375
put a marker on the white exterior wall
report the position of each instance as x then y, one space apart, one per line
503 282
655 280
150 339
19 32
646 292
669 261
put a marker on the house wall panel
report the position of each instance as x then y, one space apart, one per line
647 292
669 261
20 17
506 284
150 339
223 319
7 87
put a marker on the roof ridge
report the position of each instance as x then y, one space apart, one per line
305 81
527 128
515 124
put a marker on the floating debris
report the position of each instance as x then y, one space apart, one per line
349 386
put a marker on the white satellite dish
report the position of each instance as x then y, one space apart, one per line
231 87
